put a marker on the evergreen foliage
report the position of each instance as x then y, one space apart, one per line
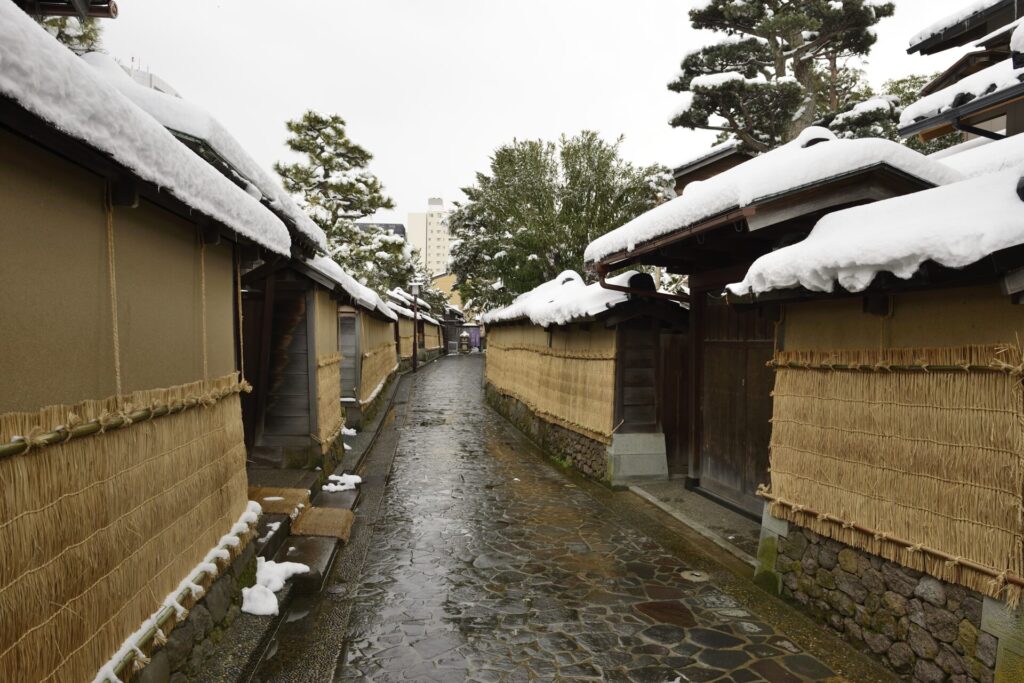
536 210
79 35
878 115
781 64
335 188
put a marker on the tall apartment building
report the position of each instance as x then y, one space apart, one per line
428 232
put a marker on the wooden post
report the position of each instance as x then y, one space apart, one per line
262 379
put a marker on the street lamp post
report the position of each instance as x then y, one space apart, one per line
415 287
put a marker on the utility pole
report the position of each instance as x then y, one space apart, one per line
415 287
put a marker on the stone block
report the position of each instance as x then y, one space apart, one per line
179 644
941 623
201 621
931 590
637 457
848 560
876 642
157 671
218 599
779 527
873 581
898 579
901 657
894 603
922 643
928 672
850 584
794 545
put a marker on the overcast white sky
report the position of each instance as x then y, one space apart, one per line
431 87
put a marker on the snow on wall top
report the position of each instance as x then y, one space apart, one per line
403 297
951 20
408 313
784 169
47 79
954 225
562 300
361 294
185 117
986 82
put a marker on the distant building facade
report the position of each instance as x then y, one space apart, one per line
428 232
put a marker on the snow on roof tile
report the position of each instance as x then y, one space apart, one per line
988 81
361 294
408 313
991 156
48 80
182 116
952 19
782 170
720 148
953 225
561 300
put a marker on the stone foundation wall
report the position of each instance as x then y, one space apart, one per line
184 657
586 455
923 628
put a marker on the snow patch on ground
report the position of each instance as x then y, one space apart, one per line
270 578
342 482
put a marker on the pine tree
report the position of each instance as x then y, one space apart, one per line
334 187
878 115
80 35
780 65
533 215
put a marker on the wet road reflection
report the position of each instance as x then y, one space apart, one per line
486 564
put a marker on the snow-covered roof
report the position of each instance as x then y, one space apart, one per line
400 296
408 313
361 294
721 148
48 80
561 300
991 157
816 155
959 147
968 11
954 225
181 116
985 83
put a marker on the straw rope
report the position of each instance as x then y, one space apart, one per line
911 454
569 382
328 391
97 530
108 205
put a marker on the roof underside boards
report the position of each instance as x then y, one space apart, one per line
49 81
69 8
954 226
979 95
814 160
971 22
190 121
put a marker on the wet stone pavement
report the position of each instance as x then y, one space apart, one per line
487 564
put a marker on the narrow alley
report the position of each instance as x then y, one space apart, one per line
487 563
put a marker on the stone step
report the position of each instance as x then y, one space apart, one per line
268 541
343 500
317 552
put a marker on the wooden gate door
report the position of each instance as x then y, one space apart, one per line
673 404
348 345
736 407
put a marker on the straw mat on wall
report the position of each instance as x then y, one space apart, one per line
378 357
328 398
98 529
570 382
932 456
